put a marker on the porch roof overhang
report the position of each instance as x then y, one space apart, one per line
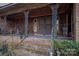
20 7
13 8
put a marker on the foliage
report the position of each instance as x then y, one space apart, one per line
66 47
4 48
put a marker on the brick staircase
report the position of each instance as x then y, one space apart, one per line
35 47
31 46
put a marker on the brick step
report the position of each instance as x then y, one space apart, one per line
36 47
24 52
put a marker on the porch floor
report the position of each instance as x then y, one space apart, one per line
39 37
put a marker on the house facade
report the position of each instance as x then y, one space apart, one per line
40 19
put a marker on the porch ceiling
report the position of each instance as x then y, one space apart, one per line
21 7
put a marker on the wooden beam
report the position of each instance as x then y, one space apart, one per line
21 7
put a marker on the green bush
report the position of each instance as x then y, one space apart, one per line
66 47
4 48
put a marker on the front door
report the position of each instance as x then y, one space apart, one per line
35 26
40 25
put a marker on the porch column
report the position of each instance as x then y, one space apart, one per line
76 21
5 26
54 24
26 22
54 20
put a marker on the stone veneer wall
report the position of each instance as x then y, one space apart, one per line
76 20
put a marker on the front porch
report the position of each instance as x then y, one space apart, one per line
40 22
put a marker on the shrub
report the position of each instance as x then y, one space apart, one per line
66 47
4 48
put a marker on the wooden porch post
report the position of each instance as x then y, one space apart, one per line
54 25
5 19
26 22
